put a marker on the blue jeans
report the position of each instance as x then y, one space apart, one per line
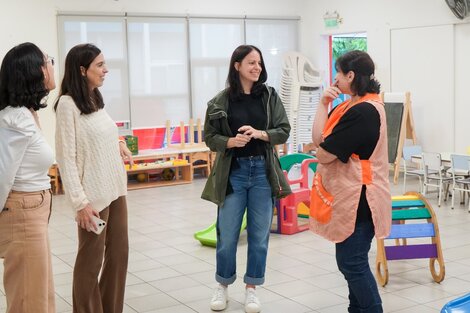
251 190
353 262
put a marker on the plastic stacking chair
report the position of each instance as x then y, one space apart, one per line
460 170
434 174
408 152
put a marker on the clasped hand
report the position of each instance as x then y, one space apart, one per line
245 134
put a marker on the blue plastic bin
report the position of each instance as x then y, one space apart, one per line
459 305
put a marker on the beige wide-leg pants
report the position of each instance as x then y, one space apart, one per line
24 246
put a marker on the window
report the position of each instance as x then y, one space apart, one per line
108 34
273 38
158 71
168 68
212 43
339 45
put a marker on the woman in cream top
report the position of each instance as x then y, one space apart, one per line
91 164
87 150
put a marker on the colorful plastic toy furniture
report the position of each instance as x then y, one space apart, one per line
296 204
208 236
287 209
459 305
289 160
411 207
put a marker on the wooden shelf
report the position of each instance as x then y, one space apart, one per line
183 175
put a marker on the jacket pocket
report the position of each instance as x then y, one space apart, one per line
321 201
217 115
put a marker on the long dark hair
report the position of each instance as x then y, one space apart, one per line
363 67
22 78
233 79
75 85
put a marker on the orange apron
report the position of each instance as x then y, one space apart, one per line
335 195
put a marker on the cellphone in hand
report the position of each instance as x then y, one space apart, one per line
99 223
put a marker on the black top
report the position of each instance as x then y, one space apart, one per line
357 132
247 110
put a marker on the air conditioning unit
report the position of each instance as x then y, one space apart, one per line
460 8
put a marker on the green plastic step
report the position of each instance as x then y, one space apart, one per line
407 203
288 160
410 214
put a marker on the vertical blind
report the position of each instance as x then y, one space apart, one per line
168 68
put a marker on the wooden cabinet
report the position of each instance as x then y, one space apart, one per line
152 171
153 176
148 172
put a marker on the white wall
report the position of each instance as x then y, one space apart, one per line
427 70
462 80
36 24
36 21
381 17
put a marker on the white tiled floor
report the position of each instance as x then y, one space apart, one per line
171 272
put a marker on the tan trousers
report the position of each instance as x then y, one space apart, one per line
24 246
107 252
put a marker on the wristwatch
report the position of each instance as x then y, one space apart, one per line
264 134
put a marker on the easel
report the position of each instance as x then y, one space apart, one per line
406 126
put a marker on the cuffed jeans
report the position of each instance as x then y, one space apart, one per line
251 190
107 252
24 246
353 261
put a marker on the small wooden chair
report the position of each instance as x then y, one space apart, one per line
201 160
54 174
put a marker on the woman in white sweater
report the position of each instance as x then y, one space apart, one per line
26 77
91 165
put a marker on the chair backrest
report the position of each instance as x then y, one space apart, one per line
460 163
432 161
409 151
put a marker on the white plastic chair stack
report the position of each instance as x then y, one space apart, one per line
300 93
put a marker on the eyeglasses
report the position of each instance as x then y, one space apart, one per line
50 59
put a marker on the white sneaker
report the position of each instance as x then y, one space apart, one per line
252 304
219 298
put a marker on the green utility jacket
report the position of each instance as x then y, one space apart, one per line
217 132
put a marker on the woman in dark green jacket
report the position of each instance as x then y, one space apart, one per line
243 123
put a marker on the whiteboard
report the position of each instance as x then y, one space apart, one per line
422 62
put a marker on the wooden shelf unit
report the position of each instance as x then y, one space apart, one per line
182 176
183 172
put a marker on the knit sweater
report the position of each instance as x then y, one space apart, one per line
87 150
